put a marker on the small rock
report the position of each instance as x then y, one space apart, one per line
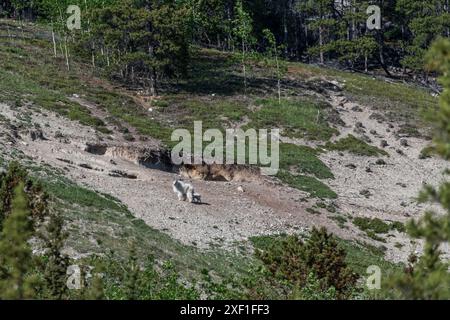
384 144
380 162
58 135
366 138
241 189
357 109
351 166
369 170
378 117
404 143
366 193
122 174
400 152
85 166
37 135
373 132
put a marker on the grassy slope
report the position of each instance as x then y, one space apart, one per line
28 72
398 101
213 94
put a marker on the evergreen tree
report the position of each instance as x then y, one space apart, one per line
15 253
295 261
428 278
37 198
56 262
144 40
132 278
322 20
425 20
13 177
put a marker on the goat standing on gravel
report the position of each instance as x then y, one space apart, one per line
185 191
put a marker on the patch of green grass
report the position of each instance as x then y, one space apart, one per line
266 241
303 159
308 184
298 118
361 256
313 211
329 207
300 168
375 236
340 220
428 152
400 227
355 146
183 110
375 225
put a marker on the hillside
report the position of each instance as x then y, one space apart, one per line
353 156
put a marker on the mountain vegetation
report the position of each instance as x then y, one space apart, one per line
179 53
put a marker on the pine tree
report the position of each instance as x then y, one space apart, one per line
132 275
13 177
37 198
321 13
144 41
294 260
56 262
425 20
428 278
15 253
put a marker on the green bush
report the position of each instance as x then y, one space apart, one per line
294 261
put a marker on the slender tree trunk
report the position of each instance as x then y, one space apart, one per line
285 33
66 51
322 60
278 77
54 42
93 59
366 63
153 84
243 66
107 57
230 41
